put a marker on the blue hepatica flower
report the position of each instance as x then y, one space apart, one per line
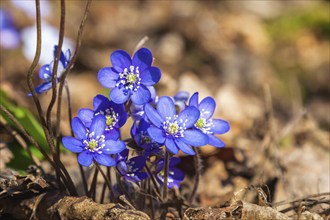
91 144
175 175
205 123
137 111
45 72
128 77
115 115
9 36
181 99
130 169
142 138
175 131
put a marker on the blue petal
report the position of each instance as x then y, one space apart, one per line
174 161
184 147
134 132
119 96
207 107
78 128
150 76
72 144
123 155
176 174
214 141
44 87
100 102
141 96
143 59
195 138
85 158
152 92
194 100
122 167
107 77
170 146
181 96
189 116
67 56
98 125
122 118
166 107
45 73
156 134
112 134
137 163
113 147
141 176
104 160
153 115
120 60
220 126
86 115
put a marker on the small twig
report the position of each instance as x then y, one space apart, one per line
301 199
197 163
165 180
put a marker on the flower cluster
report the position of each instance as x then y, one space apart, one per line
177 123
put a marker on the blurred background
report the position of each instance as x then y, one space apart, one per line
266 63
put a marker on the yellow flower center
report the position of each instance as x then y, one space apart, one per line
173 129
131 78
92 144
108 120
200 123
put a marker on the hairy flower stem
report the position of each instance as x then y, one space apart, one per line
152 177
91 193
123 189
55 67
197 163
166 164
152 207
83 177
70 65
107 181
33 66
104 187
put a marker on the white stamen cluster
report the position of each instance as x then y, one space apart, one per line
160 175
130 79
173 127
204 125
94 144
111 118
